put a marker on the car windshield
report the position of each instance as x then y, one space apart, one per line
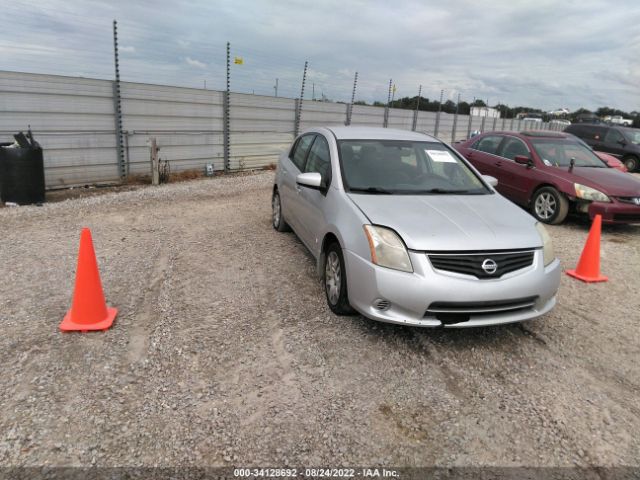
559 152
405 167
632 136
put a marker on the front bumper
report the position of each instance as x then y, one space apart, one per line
410 295
615 212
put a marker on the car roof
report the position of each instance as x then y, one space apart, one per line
531 134
378 133
543 133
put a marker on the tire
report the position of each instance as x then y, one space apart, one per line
334 280
549 206
276 216
630 162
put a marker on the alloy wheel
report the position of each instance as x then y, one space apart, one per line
545 206
333 277
275 206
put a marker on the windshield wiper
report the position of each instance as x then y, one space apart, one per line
453 192
371 190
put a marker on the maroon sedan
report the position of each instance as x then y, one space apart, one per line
612 161
552 173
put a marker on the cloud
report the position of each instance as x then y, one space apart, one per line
195 63
540 53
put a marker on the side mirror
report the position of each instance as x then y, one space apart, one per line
493 181
523 160
310 180
622 142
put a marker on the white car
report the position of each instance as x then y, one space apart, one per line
620 120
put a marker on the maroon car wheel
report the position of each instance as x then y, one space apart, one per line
549 206
630 162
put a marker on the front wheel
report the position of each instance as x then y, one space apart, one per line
549 206
630 162
276 208
335 281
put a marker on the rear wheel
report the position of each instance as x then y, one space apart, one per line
630 162
549 206
335 281
276 208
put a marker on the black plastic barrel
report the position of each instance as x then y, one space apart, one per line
21 175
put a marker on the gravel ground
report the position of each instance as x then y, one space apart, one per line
224 351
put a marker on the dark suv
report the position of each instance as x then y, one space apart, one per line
620 142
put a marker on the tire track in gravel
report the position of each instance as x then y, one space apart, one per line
147 309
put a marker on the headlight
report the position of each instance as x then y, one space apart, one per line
387 248
588 193
548 255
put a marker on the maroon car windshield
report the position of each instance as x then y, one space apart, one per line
557 152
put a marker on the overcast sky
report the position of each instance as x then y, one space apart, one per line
541 53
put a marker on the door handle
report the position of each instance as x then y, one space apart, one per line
469 154
498 164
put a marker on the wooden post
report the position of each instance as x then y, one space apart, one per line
155 173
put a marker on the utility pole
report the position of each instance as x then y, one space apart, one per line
313 91
117 106
276 87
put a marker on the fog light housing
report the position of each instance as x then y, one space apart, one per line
381 304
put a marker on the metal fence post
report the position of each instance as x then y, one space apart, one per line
455 121
504 120
385 121
435 133
484 119
353 97
296 128
226 114
469 125
511 127
117 106
495 122
414 125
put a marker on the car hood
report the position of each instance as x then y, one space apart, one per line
452 222
608 180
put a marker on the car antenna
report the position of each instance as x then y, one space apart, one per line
572 163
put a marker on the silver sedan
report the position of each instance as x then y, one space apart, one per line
405 231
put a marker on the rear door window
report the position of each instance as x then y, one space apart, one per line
300 151
488 144
613 136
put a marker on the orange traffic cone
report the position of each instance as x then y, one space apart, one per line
588 269
88 311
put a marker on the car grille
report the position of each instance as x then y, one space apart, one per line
456 312
470 263
631 200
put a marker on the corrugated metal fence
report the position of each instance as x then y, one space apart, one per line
74 120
